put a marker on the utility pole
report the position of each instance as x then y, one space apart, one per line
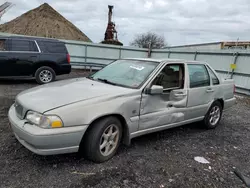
4 7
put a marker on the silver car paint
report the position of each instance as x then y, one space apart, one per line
67 92
79 102
46 141
155 111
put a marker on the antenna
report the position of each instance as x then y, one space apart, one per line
4 7
237 41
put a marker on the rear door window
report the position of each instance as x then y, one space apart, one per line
33 46
52 47
23 46
214 78
198 76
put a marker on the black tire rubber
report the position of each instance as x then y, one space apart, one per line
90 144
206 121
39 70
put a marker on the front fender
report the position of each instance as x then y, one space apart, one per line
85 112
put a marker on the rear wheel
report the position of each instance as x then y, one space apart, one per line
213 115
45 75
102 140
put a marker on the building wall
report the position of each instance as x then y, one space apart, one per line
242 45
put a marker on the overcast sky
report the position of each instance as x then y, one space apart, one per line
180 21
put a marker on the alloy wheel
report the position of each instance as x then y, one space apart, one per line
45 76
214 115
109 140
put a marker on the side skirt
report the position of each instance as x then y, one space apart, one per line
163 127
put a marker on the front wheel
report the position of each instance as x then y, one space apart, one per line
102 140
213 115
45 75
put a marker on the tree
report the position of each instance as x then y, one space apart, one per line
143 40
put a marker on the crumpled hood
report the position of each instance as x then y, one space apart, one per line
61 93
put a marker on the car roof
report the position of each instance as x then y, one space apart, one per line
31 38
167 60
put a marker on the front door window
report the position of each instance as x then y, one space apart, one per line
171 77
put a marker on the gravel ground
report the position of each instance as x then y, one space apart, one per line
163 159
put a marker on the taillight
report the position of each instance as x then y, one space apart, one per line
68 58
234 88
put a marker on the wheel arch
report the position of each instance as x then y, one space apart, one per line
221 102
125 129
50 64
206 122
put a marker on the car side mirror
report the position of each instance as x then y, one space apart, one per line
155 90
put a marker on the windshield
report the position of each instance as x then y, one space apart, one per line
128 73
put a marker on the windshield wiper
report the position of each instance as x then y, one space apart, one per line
90 77
106 81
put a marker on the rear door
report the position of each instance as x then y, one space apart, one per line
53 51
25 54
200 92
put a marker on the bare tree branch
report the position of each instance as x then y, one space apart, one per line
143 40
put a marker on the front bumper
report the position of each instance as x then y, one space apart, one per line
46 141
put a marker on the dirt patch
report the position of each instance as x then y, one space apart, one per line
44 21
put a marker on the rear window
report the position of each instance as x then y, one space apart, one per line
52 47
23 46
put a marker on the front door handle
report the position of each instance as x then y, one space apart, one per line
210 90
180 94
170 105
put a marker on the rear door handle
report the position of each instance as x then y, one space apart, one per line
210 90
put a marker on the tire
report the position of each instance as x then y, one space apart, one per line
41 73
212 118
95 139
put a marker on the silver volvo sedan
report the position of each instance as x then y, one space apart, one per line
126 99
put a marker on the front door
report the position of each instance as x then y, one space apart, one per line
169 107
